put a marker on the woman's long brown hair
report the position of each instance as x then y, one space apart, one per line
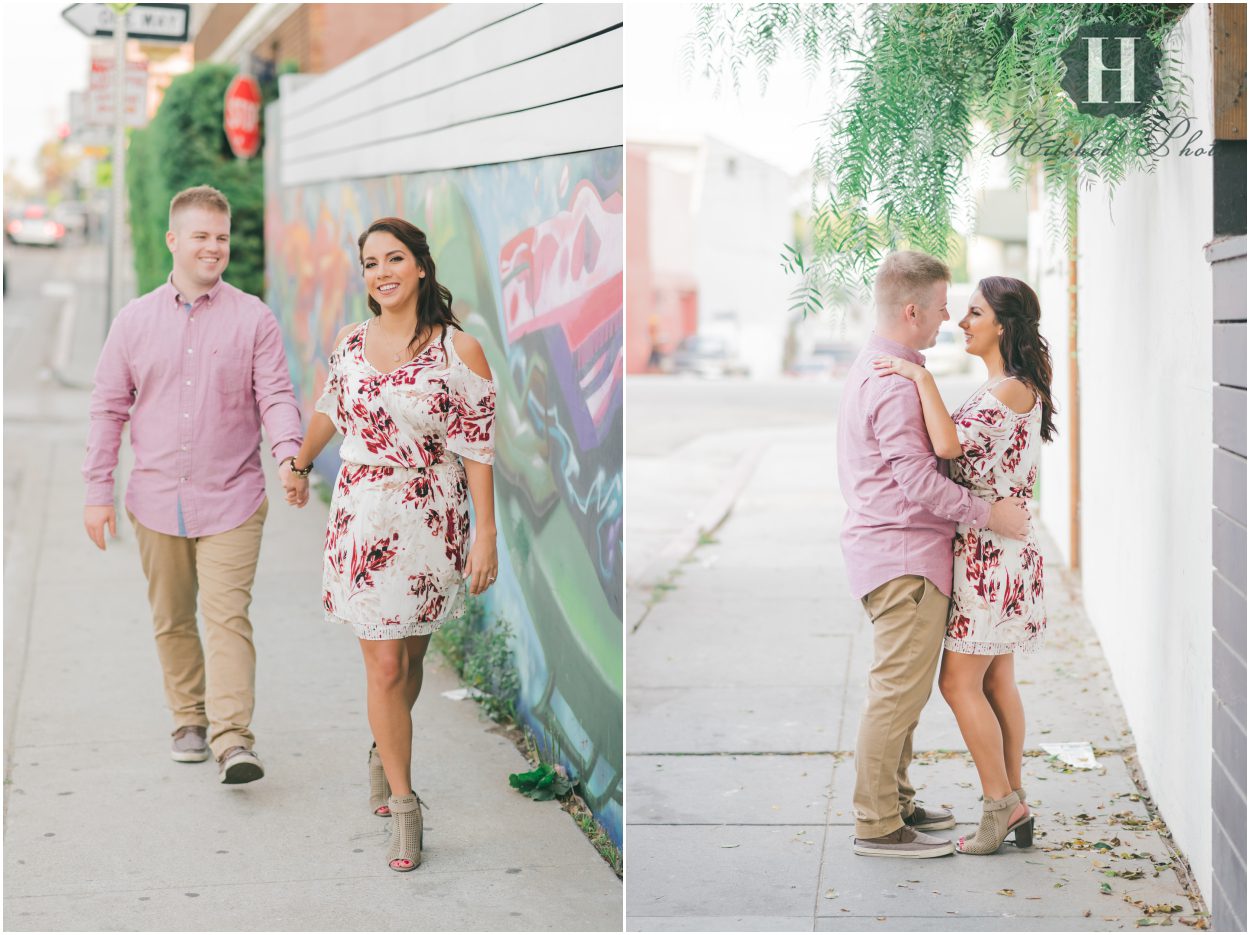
1026 354
433 299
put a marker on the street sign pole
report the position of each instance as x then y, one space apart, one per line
117 238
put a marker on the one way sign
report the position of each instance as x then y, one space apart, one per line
150 21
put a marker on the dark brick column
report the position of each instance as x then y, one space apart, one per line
1227 255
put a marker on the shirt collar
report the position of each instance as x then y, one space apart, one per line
878 343
211 295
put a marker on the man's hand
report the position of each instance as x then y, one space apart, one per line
1010 518
95 518
295 485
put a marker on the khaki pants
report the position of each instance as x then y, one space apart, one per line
217 693
909 622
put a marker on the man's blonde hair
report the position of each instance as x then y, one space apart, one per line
904 276
201 196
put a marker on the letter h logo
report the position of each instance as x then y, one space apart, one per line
1097 68
1099 55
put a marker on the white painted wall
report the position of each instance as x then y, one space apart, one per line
1146 455
472 84
1048 274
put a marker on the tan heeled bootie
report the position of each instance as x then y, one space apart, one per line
996 825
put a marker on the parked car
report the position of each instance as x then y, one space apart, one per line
948 356
707 356
31 225
827 360
72 215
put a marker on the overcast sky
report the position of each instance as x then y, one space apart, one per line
780 127
44 59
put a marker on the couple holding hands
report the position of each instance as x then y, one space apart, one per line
197 367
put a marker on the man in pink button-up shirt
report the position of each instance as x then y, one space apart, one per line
196 367
901 512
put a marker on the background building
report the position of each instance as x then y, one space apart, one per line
316 37
711 221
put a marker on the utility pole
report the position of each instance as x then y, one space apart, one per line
118 227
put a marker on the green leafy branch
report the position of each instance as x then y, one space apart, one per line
918 91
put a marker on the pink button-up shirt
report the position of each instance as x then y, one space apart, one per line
195 381
901 510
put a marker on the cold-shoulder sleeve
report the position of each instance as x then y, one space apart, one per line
993 438
331 400
471 425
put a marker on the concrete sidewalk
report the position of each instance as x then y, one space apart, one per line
747 678
104 832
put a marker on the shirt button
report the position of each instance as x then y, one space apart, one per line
188 383
186 415
184 447
188 350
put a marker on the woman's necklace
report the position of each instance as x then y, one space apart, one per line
397 356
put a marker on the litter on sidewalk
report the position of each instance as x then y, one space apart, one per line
460 694
1077 755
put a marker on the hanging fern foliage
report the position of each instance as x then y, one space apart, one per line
918 90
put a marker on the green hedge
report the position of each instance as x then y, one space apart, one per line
185 145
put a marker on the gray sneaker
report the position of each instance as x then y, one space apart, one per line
932 818
239 764
189 745
905 842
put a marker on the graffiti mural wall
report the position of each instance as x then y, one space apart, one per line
532 252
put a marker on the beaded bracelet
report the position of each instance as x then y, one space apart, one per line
302 472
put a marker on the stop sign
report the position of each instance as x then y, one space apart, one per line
242 116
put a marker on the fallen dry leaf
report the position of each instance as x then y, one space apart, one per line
1006 892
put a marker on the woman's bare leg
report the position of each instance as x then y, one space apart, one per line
962 685
1004 698
390 711
417 645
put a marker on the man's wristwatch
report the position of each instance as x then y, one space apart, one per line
302 472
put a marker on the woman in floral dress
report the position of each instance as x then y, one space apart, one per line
994 439
413 397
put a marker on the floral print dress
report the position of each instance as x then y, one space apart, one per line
398 533
996 598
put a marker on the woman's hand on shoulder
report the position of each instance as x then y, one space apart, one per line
1015 395
470 351
904 368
